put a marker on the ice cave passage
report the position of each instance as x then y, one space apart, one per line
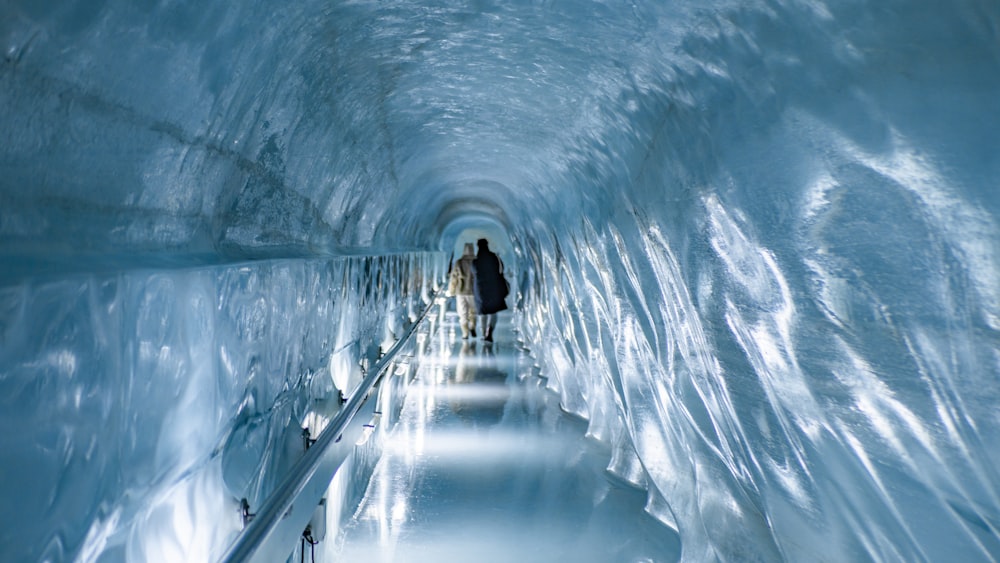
754 248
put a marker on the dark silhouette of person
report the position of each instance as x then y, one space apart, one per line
490 288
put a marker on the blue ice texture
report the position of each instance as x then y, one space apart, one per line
756 246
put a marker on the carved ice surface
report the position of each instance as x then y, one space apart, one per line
139 407
756 244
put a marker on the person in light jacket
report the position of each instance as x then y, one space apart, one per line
460 284
490 287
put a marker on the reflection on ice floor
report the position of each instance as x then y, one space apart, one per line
484 466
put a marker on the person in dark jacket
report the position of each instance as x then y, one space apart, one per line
490 287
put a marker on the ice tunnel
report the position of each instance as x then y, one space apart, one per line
756 246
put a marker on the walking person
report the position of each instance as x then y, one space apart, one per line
461 284
490 288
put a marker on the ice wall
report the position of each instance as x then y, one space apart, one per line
790 311
138 407
757 241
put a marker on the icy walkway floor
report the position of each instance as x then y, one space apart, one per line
484 466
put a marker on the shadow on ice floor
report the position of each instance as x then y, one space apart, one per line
484 466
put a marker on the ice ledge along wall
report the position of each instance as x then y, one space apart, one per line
138 407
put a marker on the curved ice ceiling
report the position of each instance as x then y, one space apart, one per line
758 239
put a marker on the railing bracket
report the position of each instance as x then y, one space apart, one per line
245 512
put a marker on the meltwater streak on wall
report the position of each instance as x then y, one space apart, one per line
763 235
138 407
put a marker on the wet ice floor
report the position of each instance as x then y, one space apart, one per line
484 466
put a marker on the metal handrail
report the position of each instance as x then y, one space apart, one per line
274 530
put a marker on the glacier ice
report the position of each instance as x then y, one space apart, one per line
756 246
141 405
